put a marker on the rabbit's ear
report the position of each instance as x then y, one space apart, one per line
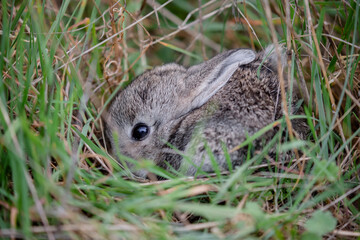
205 79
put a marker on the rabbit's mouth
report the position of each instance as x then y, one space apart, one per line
143 174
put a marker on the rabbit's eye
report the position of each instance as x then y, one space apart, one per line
140 131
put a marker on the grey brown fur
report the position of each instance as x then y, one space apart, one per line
218 101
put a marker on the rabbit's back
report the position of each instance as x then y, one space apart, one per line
251 100
244 105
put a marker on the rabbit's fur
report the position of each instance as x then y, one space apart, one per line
220 101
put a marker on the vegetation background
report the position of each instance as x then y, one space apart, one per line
61 63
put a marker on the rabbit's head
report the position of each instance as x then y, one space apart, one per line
145 117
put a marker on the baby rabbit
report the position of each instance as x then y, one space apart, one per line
172 111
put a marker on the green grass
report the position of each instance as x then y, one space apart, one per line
60 66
